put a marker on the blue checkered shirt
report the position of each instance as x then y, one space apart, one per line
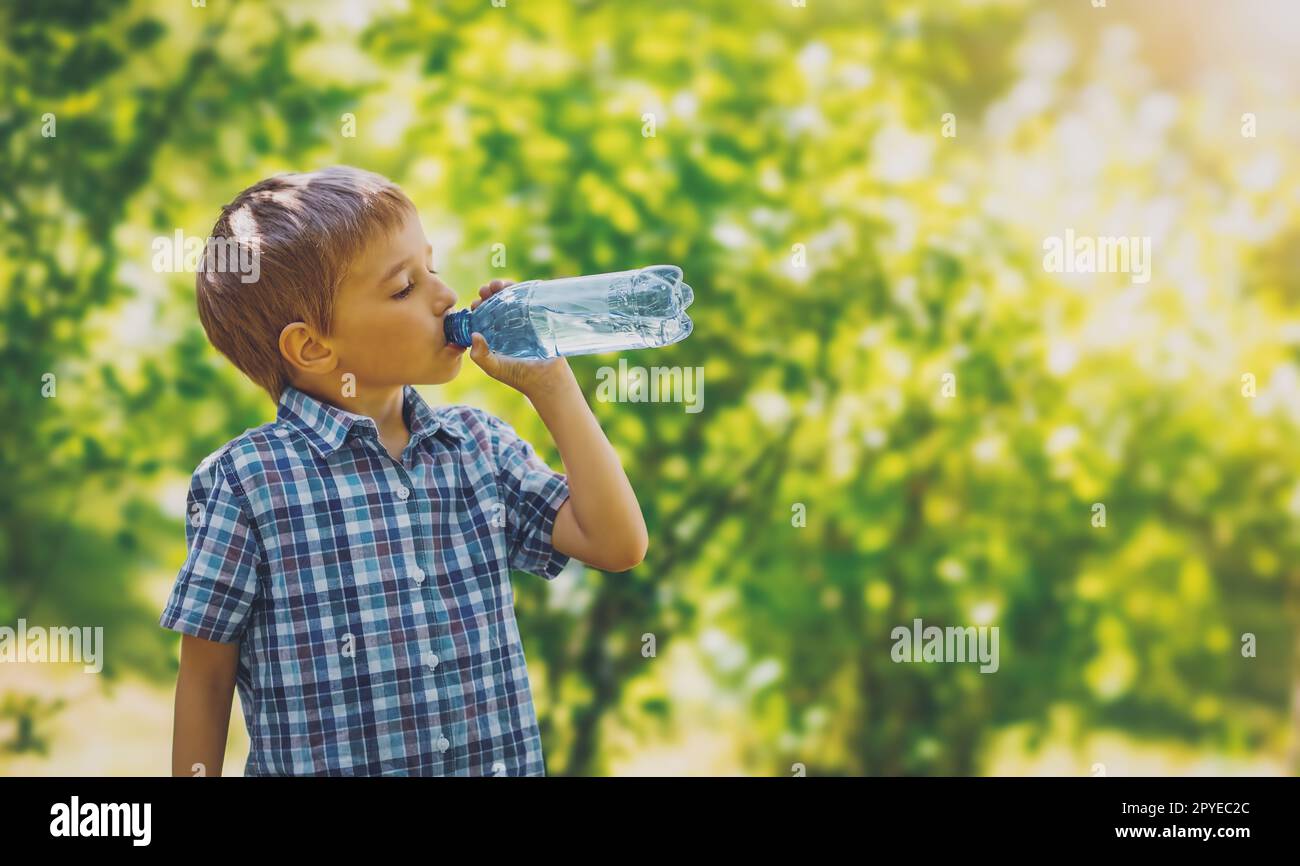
371 598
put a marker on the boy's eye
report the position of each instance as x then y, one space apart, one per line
409 286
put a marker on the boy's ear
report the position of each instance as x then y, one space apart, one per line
301 348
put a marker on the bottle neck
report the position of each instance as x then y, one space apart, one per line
458 328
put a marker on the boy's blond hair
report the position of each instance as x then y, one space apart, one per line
306 228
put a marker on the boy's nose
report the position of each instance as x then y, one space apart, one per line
444 300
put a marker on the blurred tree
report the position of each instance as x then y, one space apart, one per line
107 117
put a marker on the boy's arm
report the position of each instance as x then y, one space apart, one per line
601 521
204 690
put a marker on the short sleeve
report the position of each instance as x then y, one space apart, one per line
533 495
218 583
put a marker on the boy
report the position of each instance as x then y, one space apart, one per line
349 563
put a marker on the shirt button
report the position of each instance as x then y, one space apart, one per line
417 575
431 659
403 491
443 744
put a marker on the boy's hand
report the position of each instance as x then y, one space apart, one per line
531 378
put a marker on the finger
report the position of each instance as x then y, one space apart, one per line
479 352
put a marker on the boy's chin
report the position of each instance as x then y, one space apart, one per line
445 374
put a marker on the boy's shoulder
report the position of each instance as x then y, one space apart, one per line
253 447
469 422
479 428
273 445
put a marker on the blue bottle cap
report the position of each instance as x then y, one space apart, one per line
458 328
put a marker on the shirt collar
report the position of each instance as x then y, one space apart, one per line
326 427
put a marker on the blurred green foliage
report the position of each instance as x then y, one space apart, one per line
775 126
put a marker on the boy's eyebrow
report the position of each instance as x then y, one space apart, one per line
392 272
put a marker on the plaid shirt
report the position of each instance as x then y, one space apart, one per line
371 598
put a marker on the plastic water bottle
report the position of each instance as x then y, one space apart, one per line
638 309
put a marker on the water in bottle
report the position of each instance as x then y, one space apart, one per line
637 309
